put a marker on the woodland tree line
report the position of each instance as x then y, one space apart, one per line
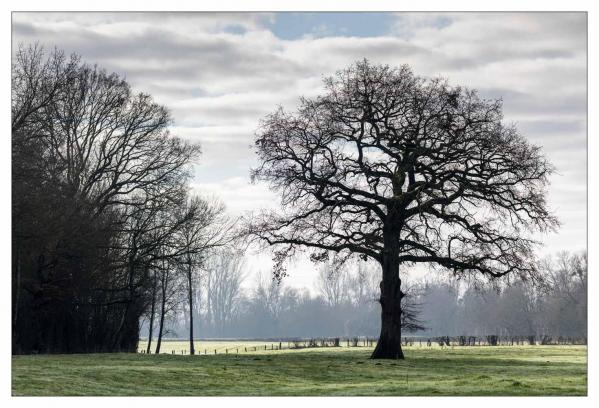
101 209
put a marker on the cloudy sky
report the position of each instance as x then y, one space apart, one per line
219 73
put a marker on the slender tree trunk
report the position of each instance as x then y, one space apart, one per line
190 295
162 313
152 314
116 344
389 343
209 318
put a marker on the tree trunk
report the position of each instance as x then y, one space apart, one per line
116 344
190 295
152 313
162 313
389 343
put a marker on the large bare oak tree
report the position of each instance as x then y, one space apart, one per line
401 169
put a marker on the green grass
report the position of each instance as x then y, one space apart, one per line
526 370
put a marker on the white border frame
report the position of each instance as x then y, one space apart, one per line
293 5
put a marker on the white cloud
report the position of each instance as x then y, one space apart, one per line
238 194
220 73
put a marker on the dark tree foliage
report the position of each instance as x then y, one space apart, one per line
403 170
95 176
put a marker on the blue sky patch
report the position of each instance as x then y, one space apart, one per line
291 26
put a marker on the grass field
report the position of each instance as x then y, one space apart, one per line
525 370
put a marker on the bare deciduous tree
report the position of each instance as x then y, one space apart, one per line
224 275
333 283
401 169
267 296
207 229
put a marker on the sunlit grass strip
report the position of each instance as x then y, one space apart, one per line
526 370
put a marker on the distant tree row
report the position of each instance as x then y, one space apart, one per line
555 307
102 216
345 304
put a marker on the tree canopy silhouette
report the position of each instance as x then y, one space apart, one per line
98 184
402 169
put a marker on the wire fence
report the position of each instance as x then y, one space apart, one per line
286 344
367 342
